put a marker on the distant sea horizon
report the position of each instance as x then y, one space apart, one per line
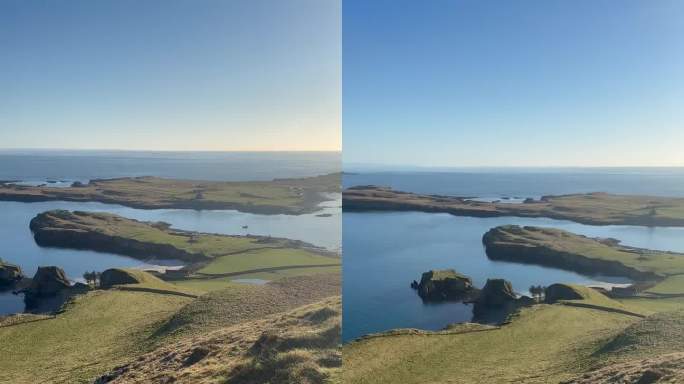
523 182
85 164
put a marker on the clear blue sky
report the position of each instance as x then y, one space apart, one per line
170 74
495 83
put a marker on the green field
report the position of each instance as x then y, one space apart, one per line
273 258
213 257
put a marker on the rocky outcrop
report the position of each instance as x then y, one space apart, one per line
497 301
497 293
9 274
48 281
441 285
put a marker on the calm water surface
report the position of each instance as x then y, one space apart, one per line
384 252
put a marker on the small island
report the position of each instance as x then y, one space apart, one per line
444 285
590 208
279 196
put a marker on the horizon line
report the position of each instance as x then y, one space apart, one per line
448 167
169 150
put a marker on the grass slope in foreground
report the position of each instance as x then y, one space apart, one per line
300 346
104 329
590 208
280 196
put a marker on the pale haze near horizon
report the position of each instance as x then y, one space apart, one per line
233 75
513 83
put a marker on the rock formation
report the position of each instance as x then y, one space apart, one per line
446 284
48 281
9 274
497 293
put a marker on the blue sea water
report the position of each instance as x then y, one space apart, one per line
38 165
385 251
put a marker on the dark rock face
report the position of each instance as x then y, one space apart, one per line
447 284
556 292
48 281
9 273
116 276
497 301
497 293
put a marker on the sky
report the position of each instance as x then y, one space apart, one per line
513 83
243 75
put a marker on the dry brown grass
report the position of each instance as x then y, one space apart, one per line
301 346
668 368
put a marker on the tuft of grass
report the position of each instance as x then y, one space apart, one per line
299 346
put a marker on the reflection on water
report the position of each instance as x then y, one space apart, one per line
384 252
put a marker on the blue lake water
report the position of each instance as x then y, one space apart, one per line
385 251
18 246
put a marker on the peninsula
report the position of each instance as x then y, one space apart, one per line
205 253
561 249
279 196
590 208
